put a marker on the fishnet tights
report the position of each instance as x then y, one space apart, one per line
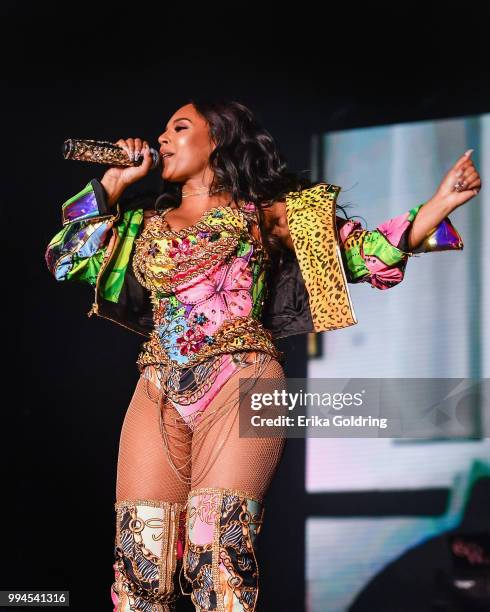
213 455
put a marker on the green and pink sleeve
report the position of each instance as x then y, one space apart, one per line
379 257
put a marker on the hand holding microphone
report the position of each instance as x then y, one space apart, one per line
136 150
121 155
109 153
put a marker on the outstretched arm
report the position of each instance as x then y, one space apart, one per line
380 256
461 184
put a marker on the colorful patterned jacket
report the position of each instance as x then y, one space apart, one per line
309 293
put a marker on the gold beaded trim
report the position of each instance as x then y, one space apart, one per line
209 253
238 334
154 503
206 255
225 491
201 224
168 379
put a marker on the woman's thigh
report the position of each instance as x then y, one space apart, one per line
223 458
143 468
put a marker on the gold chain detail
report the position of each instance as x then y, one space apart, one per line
205 254
239 334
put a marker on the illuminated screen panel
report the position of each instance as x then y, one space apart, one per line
433 324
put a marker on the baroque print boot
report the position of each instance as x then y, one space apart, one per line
219 559
148 547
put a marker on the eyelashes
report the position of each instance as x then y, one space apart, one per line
176 129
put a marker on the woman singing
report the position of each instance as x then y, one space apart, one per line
234 253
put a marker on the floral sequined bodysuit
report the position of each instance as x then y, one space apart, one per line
207 287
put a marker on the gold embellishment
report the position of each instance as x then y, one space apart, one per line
217 555
97 151
118 525
186 552
155 503
236 335
166 562
167 566
207 419
213 490
201 224
200 548
231 227
216 586
205 255
242 333
168 380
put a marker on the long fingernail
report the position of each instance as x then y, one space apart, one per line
469 152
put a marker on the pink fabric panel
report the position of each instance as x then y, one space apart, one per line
204 511
393 228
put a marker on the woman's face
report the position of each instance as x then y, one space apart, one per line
187 137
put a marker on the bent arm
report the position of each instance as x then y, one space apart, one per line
91 230
76 252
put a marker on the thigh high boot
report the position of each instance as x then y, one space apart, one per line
219 565
148 550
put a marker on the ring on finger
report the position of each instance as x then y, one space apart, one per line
459 186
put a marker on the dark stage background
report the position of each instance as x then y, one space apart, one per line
106 73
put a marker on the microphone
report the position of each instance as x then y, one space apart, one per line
102 152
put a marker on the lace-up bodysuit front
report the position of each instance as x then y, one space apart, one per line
207 287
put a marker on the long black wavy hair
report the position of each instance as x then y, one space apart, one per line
246 162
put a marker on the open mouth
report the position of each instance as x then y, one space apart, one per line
165 155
